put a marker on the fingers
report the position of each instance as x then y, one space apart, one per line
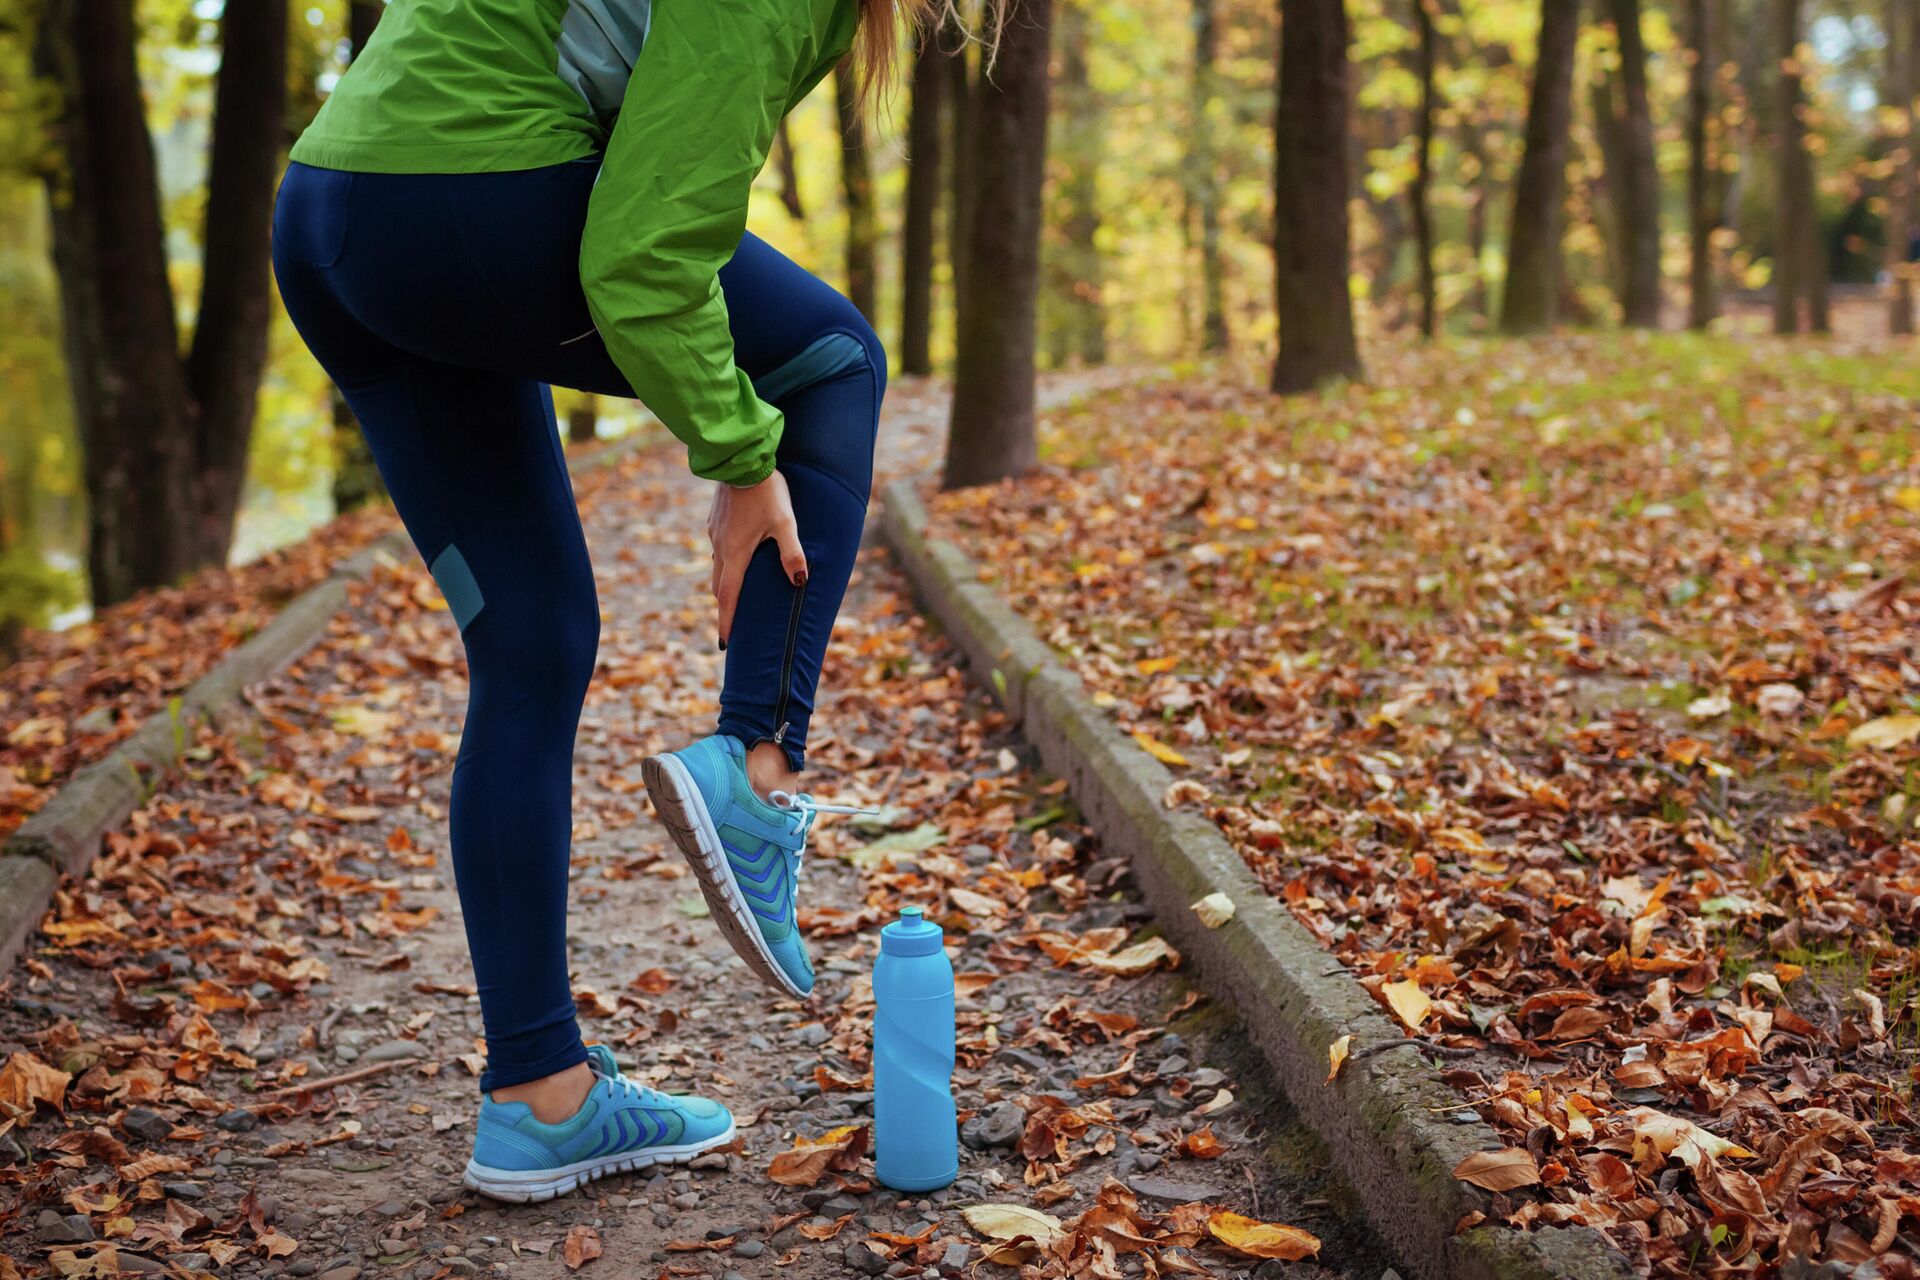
786 535
727 575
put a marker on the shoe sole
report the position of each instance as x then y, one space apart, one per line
532 1186
684 811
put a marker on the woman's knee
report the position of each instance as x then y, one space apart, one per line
547 643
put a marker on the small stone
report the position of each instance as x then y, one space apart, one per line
390 1208
74 1228
748 1248
998 1126
708 1160
686 1200
198 1262
955 1258
394 1051
861 1257
304 1267
813 1035
841 1205
183 1190
138 1262
1208 1078
237 1120
1173 1064
146 1124
348 1272
1173 1189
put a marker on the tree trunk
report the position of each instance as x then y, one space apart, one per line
1078 154
1204 176
783 160
856 184
918 232
960 190
1531 298
1312 250
229 350
1796 249
583 420
1473 146
356 478
1423 169
1703 215
130 398
1638 185
1902 24
990 434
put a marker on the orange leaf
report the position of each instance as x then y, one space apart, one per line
581 1246
26 1080
1262 1239
811 1159
1501 1170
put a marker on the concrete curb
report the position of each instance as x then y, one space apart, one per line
63 837
1385 1117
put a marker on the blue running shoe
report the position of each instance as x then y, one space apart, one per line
622 1125
745 851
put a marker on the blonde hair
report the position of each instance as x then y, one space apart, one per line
877 47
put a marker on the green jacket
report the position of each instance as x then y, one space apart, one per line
682 97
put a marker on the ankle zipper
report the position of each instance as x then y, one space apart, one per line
786 665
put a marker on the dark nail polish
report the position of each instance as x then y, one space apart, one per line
722 643
800 578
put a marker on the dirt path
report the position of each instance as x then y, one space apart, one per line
287 914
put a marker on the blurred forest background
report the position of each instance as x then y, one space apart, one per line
1487 165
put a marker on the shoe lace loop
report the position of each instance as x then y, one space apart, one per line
627 1087
801 810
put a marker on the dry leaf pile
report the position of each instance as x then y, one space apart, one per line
1569 692
248 899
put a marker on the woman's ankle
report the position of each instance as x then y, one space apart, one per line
768 770
555 1098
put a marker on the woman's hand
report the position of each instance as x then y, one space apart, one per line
740 521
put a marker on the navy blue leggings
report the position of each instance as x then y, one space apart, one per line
443 306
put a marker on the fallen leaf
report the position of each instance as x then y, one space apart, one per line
1157 749
1337 1056
1409 1003
1501 1170
581 1246
812 1158
1262 1239
1214 910
1886 732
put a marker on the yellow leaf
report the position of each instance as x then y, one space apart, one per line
1012 1222
1136 959
1408 1002
1214 910
1154 666
1337 1056
1157 749
1262 1239
364 722
1908 497
1886 732
1501 1170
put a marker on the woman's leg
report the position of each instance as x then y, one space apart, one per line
474 464
812 355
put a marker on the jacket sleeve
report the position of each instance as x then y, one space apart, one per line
694 130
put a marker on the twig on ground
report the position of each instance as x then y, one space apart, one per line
1443 1050
331 1082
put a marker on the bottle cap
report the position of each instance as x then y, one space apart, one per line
911 935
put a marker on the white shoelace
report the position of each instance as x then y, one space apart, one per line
634 1089
802 809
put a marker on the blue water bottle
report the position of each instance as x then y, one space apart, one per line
916 1147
